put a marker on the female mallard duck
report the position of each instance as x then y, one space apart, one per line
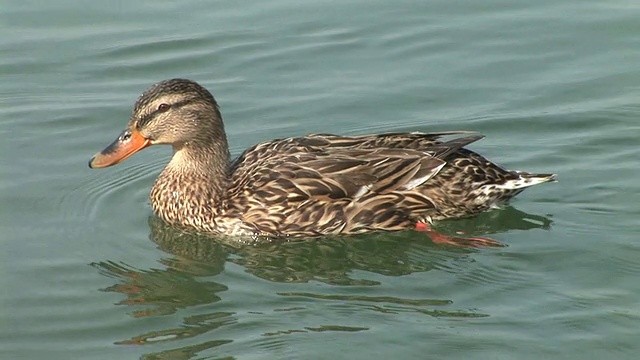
312 185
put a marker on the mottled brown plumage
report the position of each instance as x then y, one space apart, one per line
313 185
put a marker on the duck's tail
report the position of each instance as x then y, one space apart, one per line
525 179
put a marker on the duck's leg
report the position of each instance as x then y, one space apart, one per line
439 238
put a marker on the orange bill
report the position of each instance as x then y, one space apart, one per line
127 144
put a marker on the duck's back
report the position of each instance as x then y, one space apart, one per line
325 184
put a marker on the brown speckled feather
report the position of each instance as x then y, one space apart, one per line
327 184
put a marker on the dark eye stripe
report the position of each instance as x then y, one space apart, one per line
146 118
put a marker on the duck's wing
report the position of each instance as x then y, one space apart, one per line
429 143
344 167
326 184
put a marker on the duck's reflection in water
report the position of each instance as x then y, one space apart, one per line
186 279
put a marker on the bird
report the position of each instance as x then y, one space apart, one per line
306 186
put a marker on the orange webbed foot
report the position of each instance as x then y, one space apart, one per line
438 238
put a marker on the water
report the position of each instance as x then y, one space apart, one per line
87 273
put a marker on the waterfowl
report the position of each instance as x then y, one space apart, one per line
313 185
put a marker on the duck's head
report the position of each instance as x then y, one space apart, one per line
179 112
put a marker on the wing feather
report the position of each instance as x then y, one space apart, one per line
329 183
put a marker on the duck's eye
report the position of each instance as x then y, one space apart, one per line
163 107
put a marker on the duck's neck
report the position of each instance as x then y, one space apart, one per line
190 189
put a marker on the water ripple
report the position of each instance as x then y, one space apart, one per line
392 305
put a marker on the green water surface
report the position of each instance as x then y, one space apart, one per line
88 273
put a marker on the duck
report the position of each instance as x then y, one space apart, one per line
307 186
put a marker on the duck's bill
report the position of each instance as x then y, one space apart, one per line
127 144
